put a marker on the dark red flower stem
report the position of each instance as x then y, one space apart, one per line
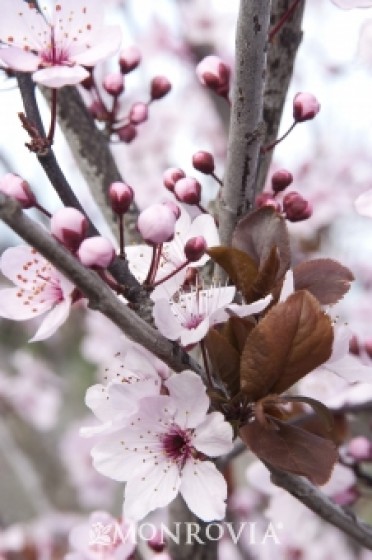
283 19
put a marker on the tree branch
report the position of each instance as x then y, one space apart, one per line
119 269
320 504
246 131
95 290
280 62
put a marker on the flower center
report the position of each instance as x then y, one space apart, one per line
177 445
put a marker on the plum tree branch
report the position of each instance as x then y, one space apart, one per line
119 269
280 62
99 295
320 504
246 129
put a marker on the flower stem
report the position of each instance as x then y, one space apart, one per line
173 273
205 361
43 210
271 146
121 237
156 254
283 19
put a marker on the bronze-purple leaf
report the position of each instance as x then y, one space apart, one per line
239 266
293 338
326 279
224 359
292 449
258 232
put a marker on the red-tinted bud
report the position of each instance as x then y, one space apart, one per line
171 176
121 197
69 226
127 133
296 208
173 207
188 190
138 113
305 107
280 180
96 252
215 74
347 497
267 199
360 448
157 223
203 162
354 347
156 543
160 86
114 84
130 58
16 187
195 248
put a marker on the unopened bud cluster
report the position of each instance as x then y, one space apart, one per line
294 207
109 111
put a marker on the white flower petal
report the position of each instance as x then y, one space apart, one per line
53 320
155 488
190 398
59 76
165 321
214 436
106 45
204 490
20 60
15 308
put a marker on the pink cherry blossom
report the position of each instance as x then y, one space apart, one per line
96 252
161 452
190 317
173 254
56 46
39 288
18 188
129 378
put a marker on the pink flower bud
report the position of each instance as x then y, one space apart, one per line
130 57
347 497
305 107
121 197
114 83
203 162
195 248
156 543
266 199
188 190
360 448
296 208
127 133
157 223
280 180
174 207
96 252
98 111
171 176
160 86
69 226
16 187
214 74
138 113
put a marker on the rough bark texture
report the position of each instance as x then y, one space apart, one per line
189 548
280 62
246 127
